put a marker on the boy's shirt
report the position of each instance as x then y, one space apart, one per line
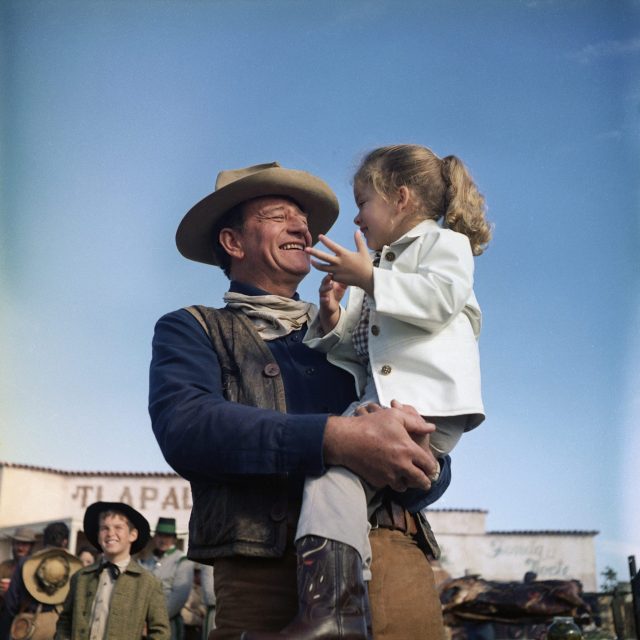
107 576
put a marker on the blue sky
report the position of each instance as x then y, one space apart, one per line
117 116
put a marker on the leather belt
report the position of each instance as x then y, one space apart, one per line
390 515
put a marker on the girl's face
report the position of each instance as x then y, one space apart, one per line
376 217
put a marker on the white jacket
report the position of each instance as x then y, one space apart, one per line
423 328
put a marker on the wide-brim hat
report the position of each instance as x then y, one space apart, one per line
47 574
194 237
138 521
22 534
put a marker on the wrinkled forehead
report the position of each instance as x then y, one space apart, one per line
265 205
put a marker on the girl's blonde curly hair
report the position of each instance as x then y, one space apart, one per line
439 188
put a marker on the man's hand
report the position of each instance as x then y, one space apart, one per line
348 267
331 293
383 446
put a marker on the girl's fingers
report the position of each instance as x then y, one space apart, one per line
361 243
321 255
330 244
321 266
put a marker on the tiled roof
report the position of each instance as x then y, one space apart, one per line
457 510
108 474
544 532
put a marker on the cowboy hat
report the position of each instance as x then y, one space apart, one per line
166 526
22 534
47 573
138 521
315 198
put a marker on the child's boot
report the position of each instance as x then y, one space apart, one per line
332 597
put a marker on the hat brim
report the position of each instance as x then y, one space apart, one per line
92 523
30 567
194 236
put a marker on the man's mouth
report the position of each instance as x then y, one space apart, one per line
292 246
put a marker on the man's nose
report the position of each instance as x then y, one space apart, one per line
356 220
298 222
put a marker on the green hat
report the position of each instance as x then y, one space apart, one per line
166 526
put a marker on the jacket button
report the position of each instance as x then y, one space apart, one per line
390 256
375 329
278 512
385 370
271 370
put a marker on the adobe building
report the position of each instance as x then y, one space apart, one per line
34 496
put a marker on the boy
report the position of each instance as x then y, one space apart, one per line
115 599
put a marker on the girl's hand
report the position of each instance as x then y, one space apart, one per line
346 267
330 295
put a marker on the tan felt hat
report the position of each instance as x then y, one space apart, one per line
314 196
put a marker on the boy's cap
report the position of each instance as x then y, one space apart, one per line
166 526
137 520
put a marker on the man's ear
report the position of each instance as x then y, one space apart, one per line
231 242
133 535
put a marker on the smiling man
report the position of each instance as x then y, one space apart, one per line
244 410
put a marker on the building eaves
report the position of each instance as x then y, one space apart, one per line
107 474
543 532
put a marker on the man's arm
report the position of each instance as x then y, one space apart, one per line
203 435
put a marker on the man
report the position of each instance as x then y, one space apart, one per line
171 566
242 409
26 595
22 542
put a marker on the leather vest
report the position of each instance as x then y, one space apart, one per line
242 515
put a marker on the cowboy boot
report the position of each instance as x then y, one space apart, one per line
332 597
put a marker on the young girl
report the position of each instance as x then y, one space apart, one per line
409 333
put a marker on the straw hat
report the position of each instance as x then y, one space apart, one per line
315 198
47 574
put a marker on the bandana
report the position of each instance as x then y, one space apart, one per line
272 316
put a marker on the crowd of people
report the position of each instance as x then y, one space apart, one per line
124 584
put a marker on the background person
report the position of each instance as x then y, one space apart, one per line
22 542
175 571
87 555
116 599
31 598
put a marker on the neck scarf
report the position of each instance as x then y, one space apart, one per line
272 316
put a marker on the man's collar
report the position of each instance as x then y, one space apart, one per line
250 290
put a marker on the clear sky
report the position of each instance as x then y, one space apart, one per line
117 115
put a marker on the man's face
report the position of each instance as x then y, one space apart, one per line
21 549
271 244
164 541
115 537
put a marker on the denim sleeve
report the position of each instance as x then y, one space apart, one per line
204 436
415 500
